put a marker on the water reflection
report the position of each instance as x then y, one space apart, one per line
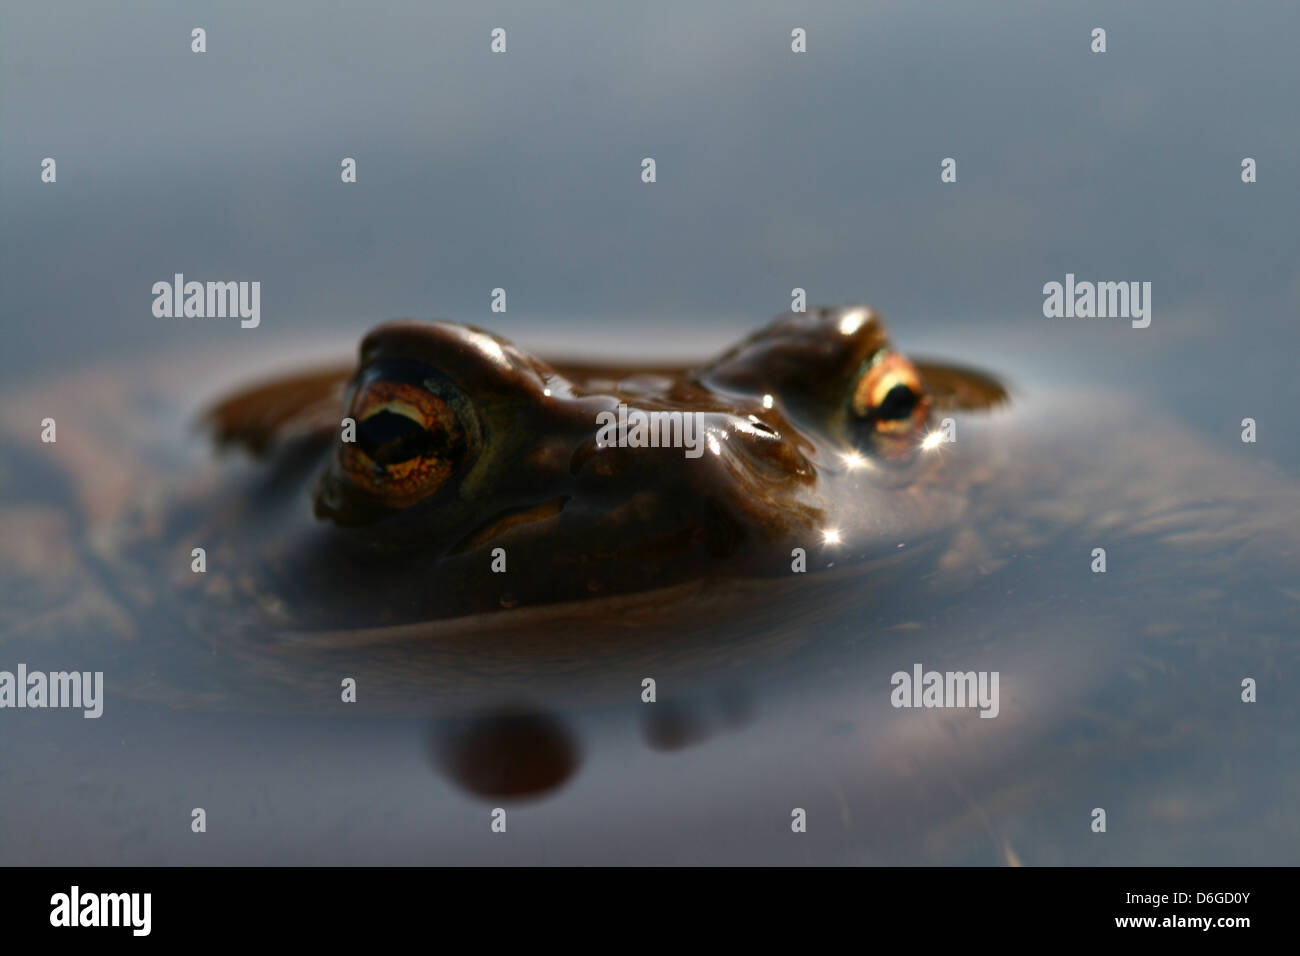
677 724
513 751
673 726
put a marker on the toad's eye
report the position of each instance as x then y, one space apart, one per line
408 438
889 398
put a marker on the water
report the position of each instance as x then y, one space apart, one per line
1119 691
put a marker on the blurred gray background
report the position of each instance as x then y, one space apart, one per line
775 170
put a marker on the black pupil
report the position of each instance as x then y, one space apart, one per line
388 438
900 402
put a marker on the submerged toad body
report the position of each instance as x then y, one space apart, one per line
450 473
